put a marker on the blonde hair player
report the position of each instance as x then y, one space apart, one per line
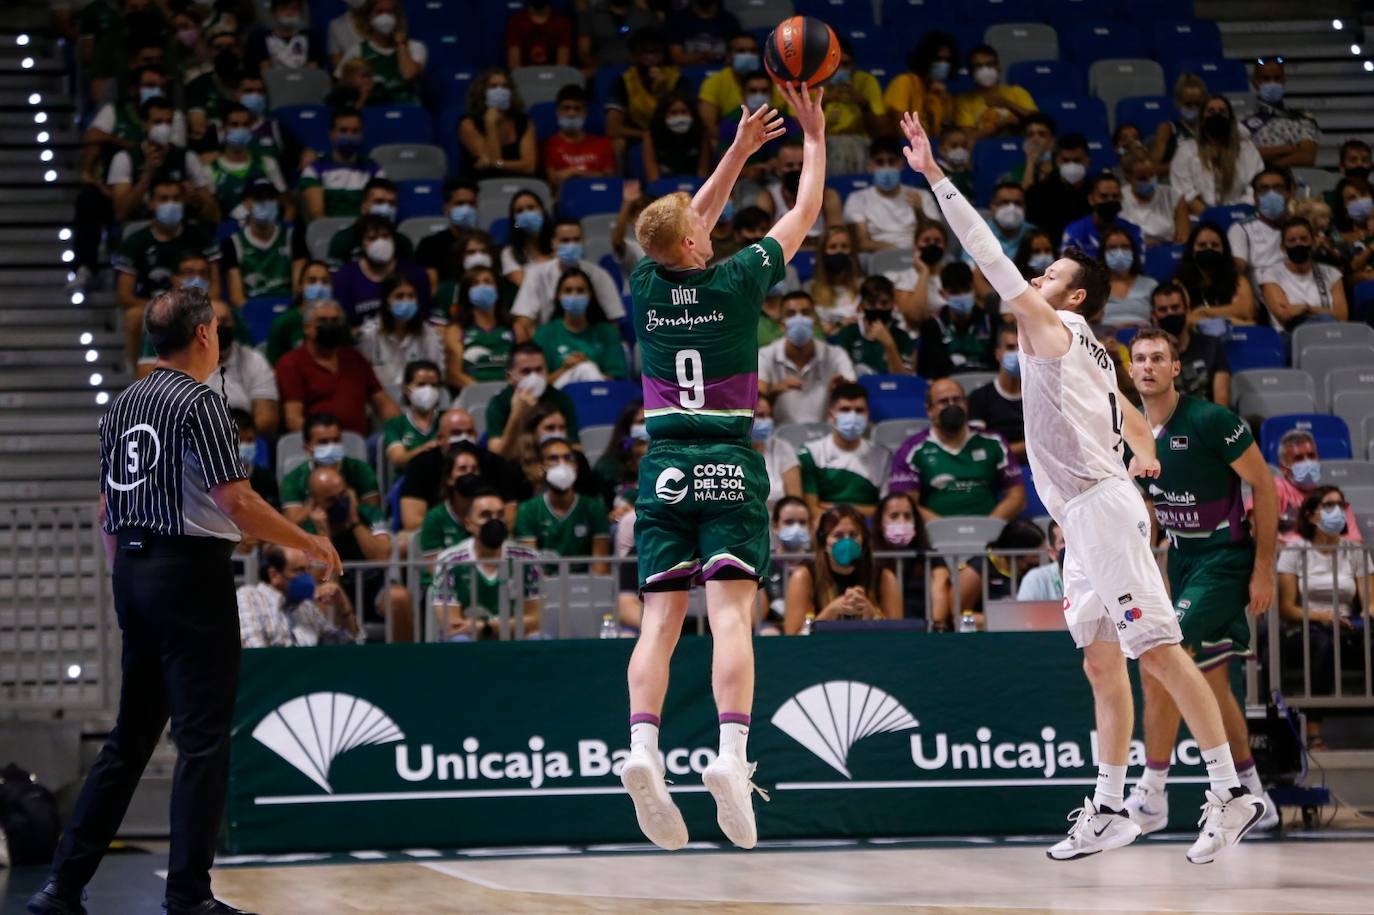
1115 605
701 514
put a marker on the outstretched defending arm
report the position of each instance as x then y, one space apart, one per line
1048 336
790 231
755 129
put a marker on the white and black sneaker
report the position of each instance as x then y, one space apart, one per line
659 819
1224 822
1148 809
1271 819
1094 831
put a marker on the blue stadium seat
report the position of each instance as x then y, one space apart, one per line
1146 112
499 231
1124 335
396 124
1035 508
1188 37
1101 151
1160 11
1362 302
845 185
1047 78
1086 42
599 403
1161 261
259 314
671 184
917 16
1330 433
1255 347
425 17
419 197
309 124
838 13
586 196
1064 13
1075 113
494 14
805 263
993 158
449 86
985 12
545 118
1225 215
895 396
1220 75
602 82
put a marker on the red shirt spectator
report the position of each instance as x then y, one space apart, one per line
538 36
325 374
572 152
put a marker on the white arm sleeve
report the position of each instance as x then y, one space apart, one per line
978 241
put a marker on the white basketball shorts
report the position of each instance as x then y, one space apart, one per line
1112 587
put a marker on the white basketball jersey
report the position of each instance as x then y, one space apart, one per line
1073 418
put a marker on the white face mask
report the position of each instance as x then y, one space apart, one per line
534 385
160 134
384 23
561 476
985 76
476 259
424 397
380 250
1009 216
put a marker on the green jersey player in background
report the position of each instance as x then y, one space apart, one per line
701 514
1219 567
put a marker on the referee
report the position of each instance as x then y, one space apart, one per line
174 499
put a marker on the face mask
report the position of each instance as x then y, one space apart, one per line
794 536
1306 473
571 123
1272 205
1011 363
957 156
756 100
264 210
338 510
1107 210
550 436
1072 172
899 533
1216 127
569 253
745 62
1360 209
1209 258
878 315
960 303
289 21
314 292
951 418
791 181
851 425
492 533
846 551
1271 93
188 37
329 453
1040 262
1172 324
248 453
1189 113
799 329
476 259
384 23
148 92
300 588
932 255
331 334
463 215
561 477
534 385
498 97
385 210
1009 216
985 76
225 333
835 262
347 144
1332 519
887 179
530 221
169 214
403 309
939 70
574 304
1145 188
194 282
160 134
1299 254
639 432
380 250
255 102
763 429
424 397
679 123
483 297
1119 260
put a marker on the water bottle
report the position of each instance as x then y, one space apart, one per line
967 622
609 630
806 623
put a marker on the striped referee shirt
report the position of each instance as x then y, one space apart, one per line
164 444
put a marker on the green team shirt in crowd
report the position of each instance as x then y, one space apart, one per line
600 342
569 535
388 86
153 261
870 353
498 410
486 352
698 340
1197 496
966 481
265 267
838 475
229 180
440 530
403 429
295 486
454 578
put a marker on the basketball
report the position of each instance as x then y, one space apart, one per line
801 49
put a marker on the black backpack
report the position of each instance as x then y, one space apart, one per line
28 818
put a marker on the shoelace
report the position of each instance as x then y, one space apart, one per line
753 787
1209 811
1079 818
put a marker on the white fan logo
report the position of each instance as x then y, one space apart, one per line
310 731
829 718
666 489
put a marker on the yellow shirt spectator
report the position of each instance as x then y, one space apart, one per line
847 103
722 89
972 110
908 92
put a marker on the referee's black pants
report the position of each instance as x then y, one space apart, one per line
176 607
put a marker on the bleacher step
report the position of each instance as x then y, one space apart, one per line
50 443
69 422
64 359
62 378
27 134
50 400
58 338
48 467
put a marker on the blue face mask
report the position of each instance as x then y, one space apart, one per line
404 309
1332 519
1011 364
887 179
851 425
463 215
799 329
846 551
960 304
255 102
1272 206
756 100
530 221
169 214
1145 188
1118 260
571 123
264 210
794 536
1307 473
329 454
346 144
195 282
248 453
483 297
1040 262
570 253
238 137
1272 93
315 292
385 210
574 304
300 588
147 92
745 62
763 428
939 71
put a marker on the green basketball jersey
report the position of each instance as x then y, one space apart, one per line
266 268
698 338
230 180
569 535
402 429
455 582
837 475
389 87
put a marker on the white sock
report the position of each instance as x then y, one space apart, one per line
1250 780
1154 779
1221 771
644 734
733 738
1111 787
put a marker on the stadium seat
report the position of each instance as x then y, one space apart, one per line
992 159
475 396
1146 112
838 13
383 124
919 16
419 198
1063 13
804 262
1225 215
573 605
581 197
1277 380
424 16
301 86
1162 261
1361 498
319 232
308 124
598 225
1088 42
411 161
259 314
1123 77
1314 182
1362 301
1328 333
798 434
891 433
1255 347
1354 407
1035 506
983 12
963 532
895 396
1047 77
972 381
494 196
759 14
845 185
595 440
1190 37
450 86
544 116
1258 406
1220 74
1359 378
418 228
1018 41
1347 473
672 184
891 260
1320 361
1330 433
1074 114
599 403
1124 335
541 84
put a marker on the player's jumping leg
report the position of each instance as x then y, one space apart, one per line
1101 823
730 606
1230 811
659 819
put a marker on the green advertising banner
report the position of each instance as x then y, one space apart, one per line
520 743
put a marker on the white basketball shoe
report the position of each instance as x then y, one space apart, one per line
1225 821
1148 809
1093 831
659 819
728 778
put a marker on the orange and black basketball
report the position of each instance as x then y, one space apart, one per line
802 49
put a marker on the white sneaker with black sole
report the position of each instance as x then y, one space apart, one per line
659 819
1225 821
1148 809
1094 831
728 778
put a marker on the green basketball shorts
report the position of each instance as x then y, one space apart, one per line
1211 592
701 514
